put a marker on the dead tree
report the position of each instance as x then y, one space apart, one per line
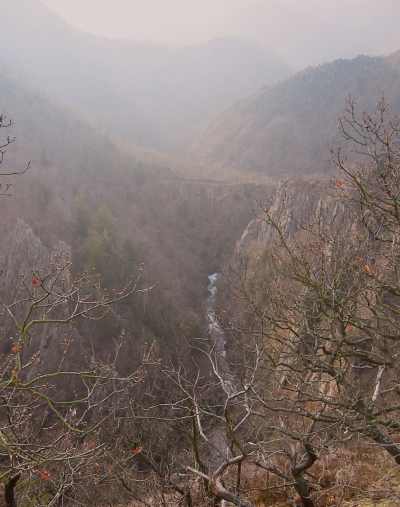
54 441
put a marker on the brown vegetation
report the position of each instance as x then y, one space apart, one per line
288 129
111 391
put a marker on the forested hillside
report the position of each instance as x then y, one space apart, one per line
289 129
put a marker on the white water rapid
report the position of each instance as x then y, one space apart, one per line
215 331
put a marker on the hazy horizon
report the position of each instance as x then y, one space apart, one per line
304 34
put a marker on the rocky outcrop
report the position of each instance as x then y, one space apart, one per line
296 203
23 256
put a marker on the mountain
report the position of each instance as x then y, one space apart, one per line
289 128
150 95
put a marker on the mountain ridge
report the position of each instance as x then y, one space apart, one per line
289 128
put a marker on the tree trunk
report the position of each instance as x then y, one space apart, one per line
301 484
384 442
188 499
9 491
221 493
303 490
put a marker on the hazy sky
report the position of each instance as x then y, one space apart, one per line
303 31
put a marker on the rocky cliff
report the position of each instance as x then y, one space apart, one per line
295 203
24 259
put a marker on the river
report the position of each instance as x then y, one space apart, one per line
215 332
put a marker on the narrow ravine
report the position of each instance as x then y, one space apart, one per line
220 449
215 332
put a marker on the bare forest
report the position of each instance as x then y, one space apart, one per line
200 254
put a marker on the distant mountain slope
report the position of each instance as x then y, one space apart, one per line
289 128
151 95
394 59
50 135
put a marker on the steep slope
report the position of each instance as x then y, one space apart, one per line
150 95
289 128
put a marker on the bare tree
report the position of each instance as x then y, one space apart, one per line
325 312
5 142
52 417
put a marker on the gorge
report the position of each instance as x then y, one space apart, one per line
199 271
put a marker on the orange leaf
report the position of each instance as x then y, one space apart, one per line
36 281
339 184
16 348
136 450
368 269
44 475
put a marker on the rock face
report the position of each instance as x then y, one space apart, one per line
296 202
306 211
23 256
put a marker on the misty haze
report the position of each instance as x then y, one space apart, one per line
200 253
